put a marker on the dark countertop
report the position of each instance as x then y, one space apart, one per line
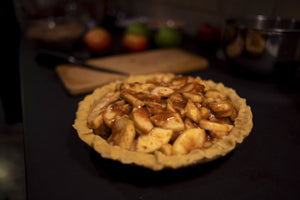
60 166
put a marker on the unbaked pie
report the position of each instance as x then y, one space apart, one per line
163 120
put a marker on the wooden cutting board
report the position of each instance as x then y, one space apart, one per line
79 80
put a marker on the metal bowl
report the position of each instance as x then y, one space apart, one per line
59 32
263 45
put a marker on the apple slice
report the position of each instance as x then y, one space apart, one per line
123 132
154 140
169 120
141 120
192 111
190 139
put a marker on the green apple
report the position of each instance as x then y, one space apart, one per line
139 29
168 37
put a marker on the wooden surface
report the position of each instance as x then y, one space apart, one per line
79 80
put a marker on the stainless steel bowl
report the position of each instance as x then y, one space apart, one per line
263 45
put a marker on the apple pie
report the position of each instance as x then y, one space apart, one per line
163 120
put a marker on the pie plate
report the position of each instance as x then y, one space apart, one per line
157 160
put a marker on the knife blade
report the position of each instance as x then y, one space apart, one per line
52 59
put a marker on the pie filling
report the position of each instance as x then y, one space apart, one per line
170 114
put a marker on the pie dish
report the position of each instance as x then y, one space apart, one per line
163 121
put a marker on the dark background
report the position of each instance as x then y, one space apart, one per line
60 166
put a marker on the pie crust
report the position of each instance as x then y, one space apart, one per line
157 160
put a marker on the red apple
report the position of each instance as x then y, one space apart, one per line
134 42
207 33
98 40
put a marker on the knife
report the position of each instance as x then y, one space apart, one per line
52 58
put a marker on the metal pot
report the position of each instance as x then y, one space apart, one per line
263 45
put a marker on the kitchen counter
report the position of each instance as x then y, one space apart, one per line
60 166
